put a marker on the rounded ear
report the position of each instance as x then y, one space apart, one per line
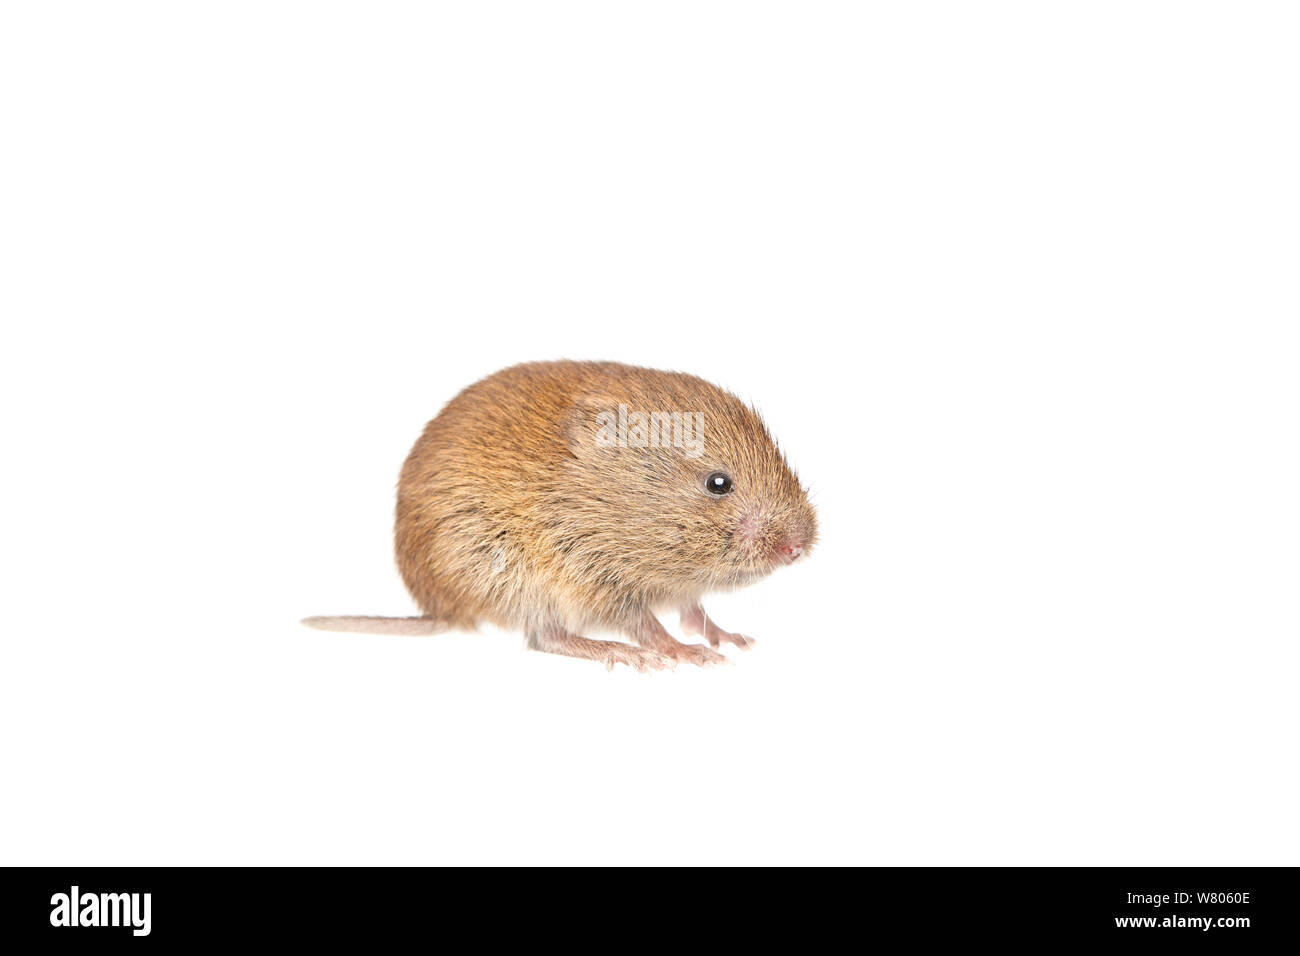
592 425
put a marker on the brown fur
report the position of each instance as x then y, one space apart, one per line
509 511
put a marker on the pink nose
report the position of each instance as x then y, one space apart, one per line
791 551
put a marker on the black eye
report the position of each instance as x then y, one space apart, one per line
718 483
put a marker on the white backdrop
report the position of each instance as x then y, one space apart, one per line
1014 284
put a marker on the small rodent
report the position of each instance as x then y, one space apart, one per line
553 497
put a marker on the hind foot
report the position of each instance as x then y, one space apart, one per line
560 641
637 657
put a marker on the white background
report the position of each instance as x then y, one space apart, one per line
1015 285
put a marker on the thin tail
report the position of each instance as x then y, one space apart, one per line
377 625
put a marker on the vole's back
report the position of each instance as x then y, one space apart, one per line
467 490
487 494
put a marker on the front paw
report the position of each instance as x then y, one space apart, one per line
719 637
695 622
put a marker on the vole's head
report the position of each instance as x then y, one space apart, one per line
753 515
695 493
